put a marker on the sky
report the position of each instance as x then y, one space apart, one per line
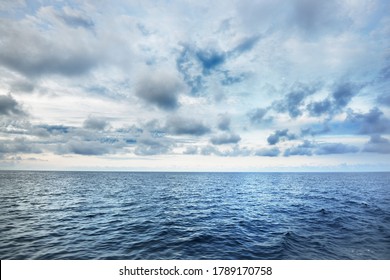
195 85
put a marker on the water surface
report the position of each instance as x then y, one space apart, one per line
108 215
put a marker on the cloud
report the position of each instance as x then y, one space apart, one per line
308 148
319 108
9 5
304 149
235 151
188 67
298 17
335 148
224 122
86 148
200 65
293 101
52 129
256 116
22 86
160 89
95 123
44 54
314 19
210 59
75 18
148 145
9 106
180 126
191 150
19 145
373 122
245 45
225 138
343 94
377 144
268 152
209 150
279 135
144 78
316 129
384 99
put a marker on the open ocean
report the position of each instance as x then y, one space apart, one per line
127 215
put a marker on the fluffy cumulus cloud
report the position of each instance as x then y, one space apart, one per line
191 84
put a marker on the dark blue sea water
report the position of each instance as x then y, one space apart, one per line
108 215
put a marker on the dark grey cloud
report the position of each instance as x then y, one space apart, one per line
42 55
335 148
294 100
373 122
87 148
268 152
319 108
343 94
179 126
224 122
160 89
340 97
256 116
95 123
10 107
225 138
377 144
19 145
280 135
148 145
304 149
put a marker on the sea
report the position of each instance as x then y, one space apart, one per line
196 216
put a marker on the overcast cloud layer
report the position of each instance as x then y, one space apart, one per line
195 85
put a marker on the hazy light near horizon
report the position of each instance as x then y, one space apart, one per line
192 85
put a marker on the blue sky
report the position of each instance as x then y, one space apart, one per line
195 86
